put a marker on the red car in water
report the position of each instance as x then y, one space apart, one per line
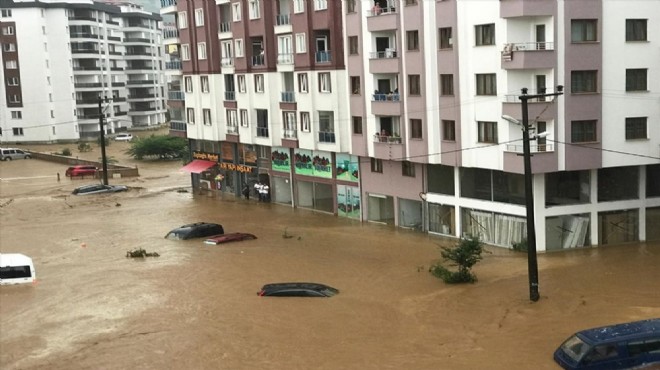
231 237
80 170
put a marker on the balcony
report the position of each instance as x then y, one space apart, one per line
288 97
525 8
89 84
323 56
539 148
230 95
290 134
174 65
388 147
177 126
232 130
227 61
283 19
170 33
176 95
83 35
224 30
543 109
386 104
381 19
141 82
378 138
529 55
262 131
384 62
258 60
80 68
137 40
285 59
326 137
166 3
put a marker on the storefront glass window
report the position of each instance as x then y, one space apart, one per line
280 190
618 226
441 179
569 231
494 228
653 181
508 187
567 187
618 183
348 201
381 209
410 213
652 222
442 219
476 183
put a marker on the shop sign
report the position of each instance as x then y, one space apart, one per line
303 162
313 163
236 167
280 160
205 156
322 162
348 167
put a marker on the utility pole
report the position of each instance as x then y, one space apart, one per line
104 160
532 265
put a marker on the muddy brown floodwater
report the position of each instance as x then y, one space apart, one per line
195 306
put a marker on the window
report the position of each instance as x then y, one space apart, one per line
411 2
17 131
584 81
201 50
302 83
236 12
244 118
9 30
254 9
584 30
486 84
9 47
414 85
207 116
259 83
355 85
412 38
353 45
304 122
298 6
301 44
238 47
241 84
376 165
487 132
232 120
415 128
199 17
326 127
407 169
448 130
583 131
446 84
11 64
357 125
636 29
14 98
484 34
185 52
636 80
204 81
635 128
290 125
320 4
16 114
12 81
324 82
190 114
187 84
183 20
52 113
6 13
350 6
445 38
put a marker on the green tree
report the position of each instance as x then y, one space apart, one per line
161 147
465 255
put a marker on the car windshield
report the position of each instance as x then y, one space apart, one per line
575 348
175 235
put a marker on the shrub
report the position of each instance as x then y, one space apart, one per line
84 147
521 246
66 152
465 254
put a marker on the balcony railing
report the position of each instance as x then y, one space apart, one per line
177 126
258 60
86 68
176 95
170 33
85 51
377 10
323 56
230 95
83 35
89 84
140 82
290 134
389 53
137 39
387 139
262 131
286 58
540 148
225 27
529 46
288 96
166 3
173 65
283 19
326 137
386 97
232 129
509 98
227 61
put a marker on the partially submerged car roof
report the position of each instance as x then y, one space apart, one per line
621 331
311 286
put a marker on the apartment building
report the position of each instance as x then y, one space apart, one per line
59 58
408 112
173 69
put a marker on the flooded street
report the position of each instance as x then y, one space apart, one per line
196 307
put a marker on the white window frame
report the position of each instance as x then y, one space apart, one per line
301 43
201 50
16 114
303 83
9 47
244 118
183 20
320 5
238 48
6 13
17 131
298 6
204 83
242 88
9 30
232 118
199 17
325 82
185 52
305 124
11 64
206 113
259 83
187 84
236 12
254 9
190 116
12 81
290 123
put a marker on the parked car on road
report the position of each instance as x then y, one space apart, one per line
16 268
297 290
196 230
81 170
226 238
98 188
633 345
8 154
124 137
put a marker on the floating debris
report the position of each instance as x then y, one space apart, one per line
140 253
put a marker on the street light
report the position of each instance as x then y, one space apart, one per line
532 264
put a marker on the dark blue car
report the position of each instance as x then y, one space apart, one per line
622 346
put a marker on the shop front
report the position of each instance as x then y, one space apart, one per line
229 172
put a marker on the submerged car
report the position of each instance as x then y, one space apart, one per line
226 238
196 230
621 346
98 188
80 170
297 290
124 137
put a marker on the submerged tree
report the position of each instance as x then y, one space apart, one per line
162 147
465 254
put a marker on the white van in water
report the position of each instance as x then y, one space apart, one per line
16 268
